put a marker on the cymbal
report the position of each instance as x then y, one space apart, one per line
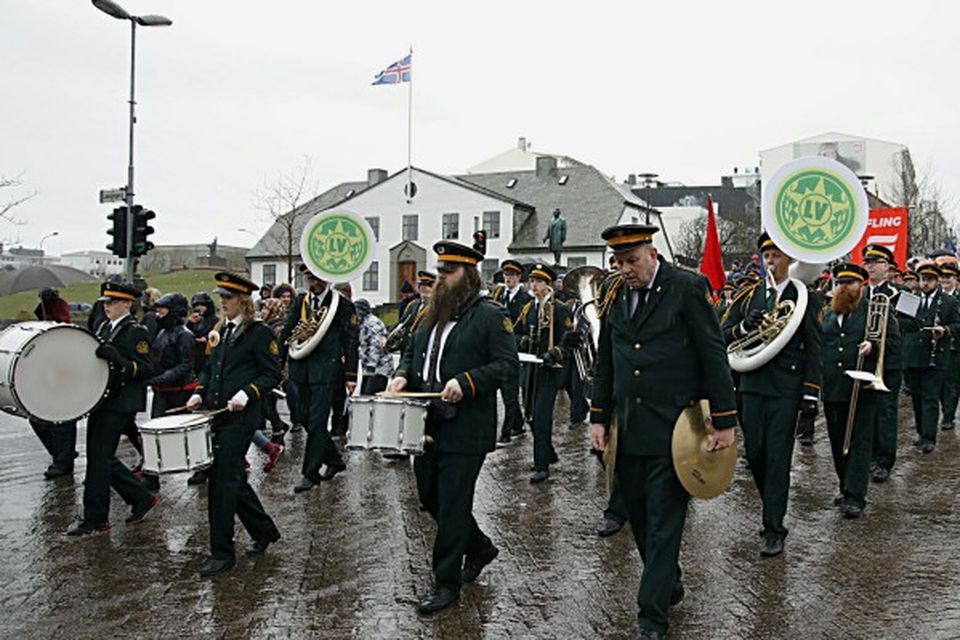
704 474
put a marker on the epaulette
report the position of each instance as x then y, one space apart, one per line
609 289
523 312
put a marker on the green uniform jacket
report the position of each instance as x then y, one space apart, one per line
515 306
917 343
893 350
652 366
526 328
128 393
480 352
840 347
414 309
248 363
795 370
334 360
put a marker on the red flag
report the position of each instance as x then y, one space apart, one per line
711 264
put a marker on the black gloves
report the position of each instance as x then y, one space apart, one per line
524 344
109 353
571 340
753 320
549 358
808 408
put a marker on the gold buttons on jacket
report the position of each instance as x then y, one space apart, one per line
637 400
636 373
636 346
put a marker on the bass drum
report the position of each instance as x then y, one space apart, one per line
49 371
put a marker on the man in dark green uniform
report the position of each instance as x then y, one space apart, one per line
544 322
241 370
464 349
774 393
512 295
951 379
126 346
660 350
926 352
416 310
846 345
878 261
333 360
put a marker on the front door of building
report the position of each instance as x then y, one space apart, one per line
406 272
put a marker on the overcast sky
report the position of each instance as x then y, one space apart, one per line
236 92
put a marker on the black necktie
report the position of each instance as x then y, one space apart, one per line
228 332
432 383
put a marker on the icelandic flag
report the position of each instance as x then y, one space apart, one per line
399 71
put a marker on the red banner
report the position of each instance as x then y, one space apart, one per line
889 228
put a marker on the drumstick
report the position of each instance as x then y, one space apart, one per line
176 409
409 394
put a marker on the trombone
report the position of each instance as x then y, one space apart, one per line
878 312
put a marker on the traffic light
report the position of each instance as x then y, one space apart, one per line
480 241
118 234
141 230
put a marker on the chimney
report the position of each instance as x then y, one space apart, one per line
546 165
632 179
375 176
522 143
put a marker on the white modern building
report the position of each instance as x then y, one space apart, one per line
96 263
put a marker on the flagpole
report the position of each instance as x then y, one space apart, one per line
410 131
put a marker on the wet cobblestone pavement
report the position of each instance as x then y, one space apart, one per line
355 555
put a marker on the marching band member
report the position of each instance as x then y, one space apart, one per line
774 393
334 359
464 348
879 261
926 350
543 323
951 380
660 349
416 310
845 344
242 368
513 296
126 346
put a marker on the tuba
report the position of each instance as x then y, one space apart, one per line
585 281
312 326
759 346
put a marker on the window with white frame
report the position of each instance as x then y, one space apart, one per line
410 227
491 224
451 226
374 223
371 277
269 275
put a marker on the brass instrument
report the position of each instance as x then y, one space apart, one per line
544 322
312 326
876 331
400 332
585 281
762 344
704 474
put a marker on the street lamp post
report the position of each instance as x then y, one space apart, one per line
113 9
49 235
255 236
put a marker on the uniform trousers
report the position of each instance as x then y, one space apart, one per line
768 428
924 384
885 436
951 387
60 440
315 402
853 469
656 503
104 471
230 494
512 416
545 398
445 484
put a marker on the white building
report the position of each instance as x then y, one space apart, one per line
96 263
514 208
16 257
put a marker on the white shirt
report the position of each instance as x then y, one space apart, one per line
511 293
447 328
114 323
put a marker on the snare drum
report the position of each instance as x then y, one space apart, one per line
177 443
50 371
387 424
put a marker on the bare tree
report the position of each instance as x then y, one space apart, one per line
737 238
7 205
283 201
923 196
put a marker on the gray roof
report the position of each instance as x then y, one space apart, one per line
589 202
273 243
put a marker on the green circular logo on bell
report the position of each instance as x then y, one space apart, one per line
337 244
815 209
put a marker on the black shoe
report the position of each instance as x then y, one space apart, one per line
947 426
554 458
215 567
838 499
441 598
473 565
305 484
504 438
140 512
539 476
259 547
880 474
86 529
927 447
676 596
57 471
198 477
649 634
852 511
332 470
610 527
773 546
805 441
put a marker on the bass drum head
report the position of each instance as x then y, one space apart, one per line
57 376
